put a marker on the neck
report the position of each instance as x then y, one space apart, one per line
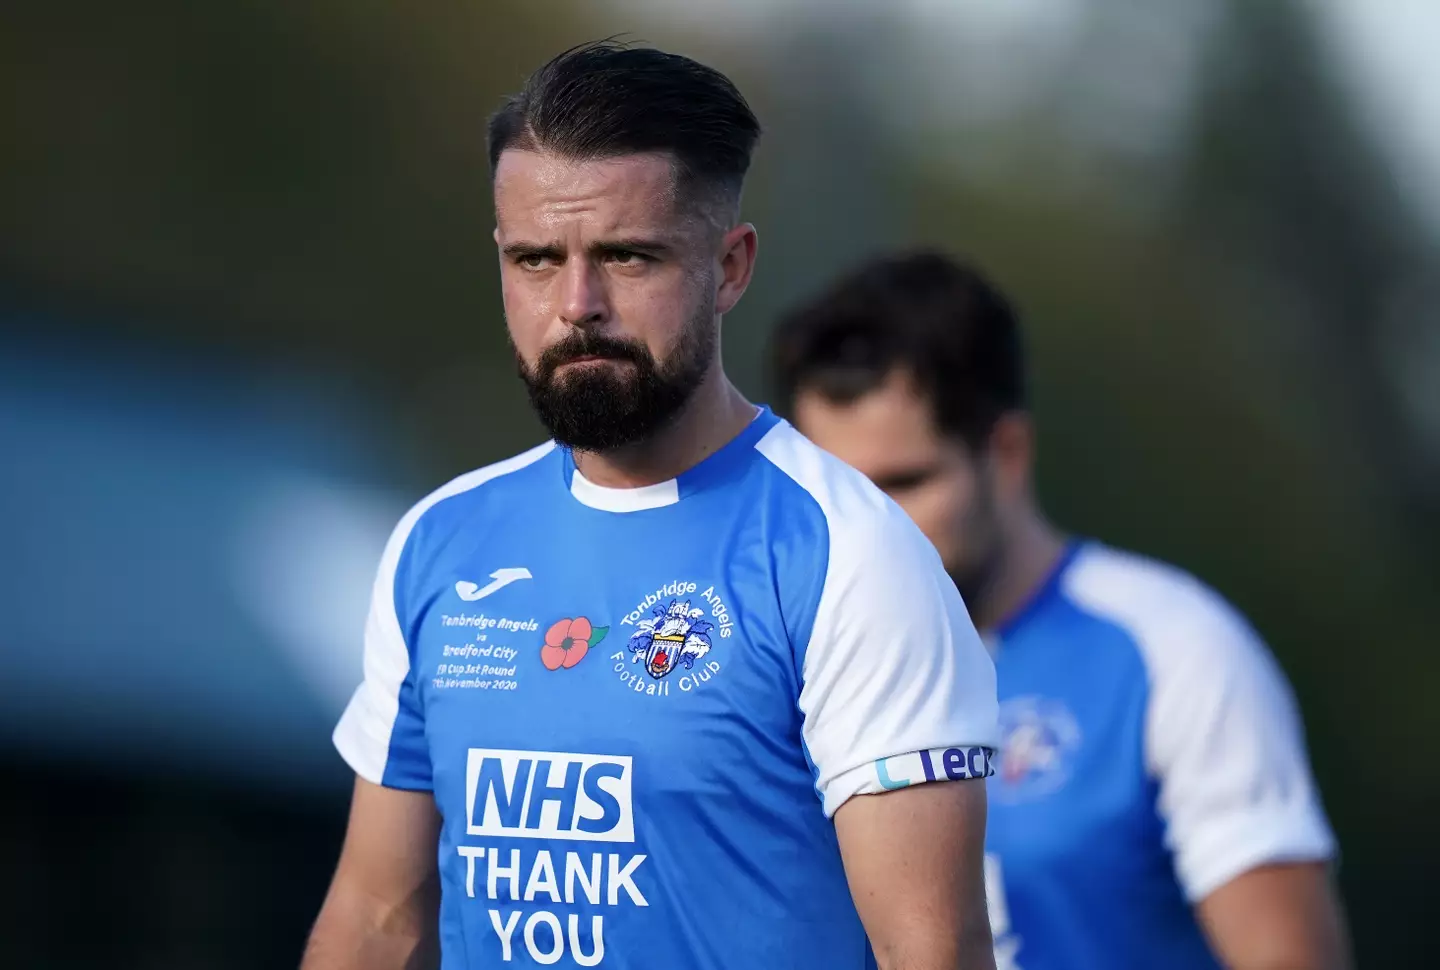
1030 551
714 415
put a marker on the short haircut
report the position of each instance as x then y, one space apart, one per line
606 99
922 313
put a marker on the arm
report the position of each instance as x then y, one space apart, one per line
914 858
900 722
382 908
1277 917
1250 839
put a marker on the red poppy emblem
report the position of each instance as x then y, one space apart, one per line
567 641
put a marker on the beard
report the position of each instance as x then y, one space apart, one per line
973 580
603 408
975 569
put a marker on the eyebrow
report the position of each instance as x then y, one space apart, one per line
556 251
519 250
632 244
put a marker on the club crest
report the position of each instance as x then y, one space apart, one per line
672 636
1039 740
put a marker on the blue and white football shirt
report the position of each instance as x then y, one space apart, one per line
1151 751
638 708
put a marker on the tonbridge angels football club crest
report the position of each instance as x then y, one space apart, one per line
671 636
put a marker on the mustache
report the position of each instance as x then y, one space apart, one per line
581 343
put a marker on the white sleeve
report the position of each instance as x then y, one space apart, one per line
897 688
381 733
1225 741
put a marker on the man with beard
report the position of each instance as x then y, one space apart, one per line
1152 805
661 692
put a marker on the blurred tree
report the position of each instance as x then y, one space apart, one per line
1283 178
304 181
822 193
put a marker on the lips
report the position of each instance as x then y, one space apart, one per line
586 358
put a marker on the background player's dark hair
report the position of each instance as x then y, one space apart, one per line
604 99
921 312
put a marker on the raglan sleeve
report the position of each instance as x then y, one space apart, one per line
1226 744
381 733
897 688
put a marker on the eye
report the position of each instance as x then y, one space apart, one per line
904 482
531 261
626 257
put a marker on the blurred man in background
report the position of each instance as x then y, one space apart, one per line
623 664
1153 804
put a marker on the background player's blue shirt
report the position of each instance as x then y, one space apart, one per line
1150 752
638 708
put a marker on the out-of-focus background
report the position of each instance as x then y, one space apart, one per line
249 312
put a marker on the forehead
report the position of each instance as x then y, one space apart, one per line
887 429
537 191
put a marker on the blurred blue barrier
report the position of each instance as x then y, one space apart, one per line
186 551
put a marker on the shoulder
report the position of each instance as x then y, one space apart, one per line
876 569
895 683
458 496
1210 676
858 516
1223 735
1174 620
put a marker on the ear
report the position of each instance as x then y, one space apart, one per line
737 264
1012 452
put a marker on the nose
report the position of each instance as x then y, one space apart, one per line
583 301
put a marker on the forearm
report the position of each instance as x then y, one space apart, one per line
355 933
1278 917
967 947
977 949
1289 964
1313 954
914 860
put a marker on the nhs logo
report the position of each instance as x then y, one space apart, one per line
549 795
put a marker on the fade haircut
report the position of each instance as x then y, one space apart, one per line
607 99
921 313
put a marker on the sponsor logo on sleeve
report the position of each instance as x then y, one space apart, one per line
935 764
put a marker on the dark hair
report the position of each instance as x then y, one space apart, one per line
922 313
605 99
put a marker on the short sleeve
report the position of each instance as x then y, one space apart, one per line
1226 744
897 688
381 734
